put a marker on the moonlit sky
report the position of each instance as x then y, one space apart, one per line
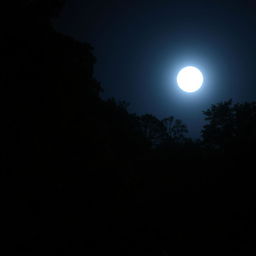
140 47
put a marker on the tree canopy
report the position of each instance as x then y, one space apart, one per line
230 125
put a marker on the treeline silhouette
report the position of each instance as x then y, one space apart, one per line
83 175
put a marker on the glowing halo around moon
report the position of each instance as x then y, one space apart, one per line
190 79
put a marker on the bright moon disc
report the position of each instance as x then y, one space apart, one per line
190 79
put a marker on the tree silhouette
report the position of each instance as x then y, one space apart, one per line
230 125
49 95
220 128
166 131
153 129
175 129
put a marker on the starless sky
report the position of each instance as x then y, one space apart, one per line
140 46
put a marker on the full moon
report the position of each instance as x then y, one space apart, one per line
190 79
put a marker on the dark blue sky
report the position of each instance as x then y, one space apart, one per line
141 45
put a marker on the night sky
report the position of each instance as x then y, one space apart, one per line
141 45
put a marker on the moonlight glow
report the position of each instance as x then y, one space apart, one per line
190 79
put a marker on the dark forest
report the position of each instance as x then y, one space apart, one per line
82 175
